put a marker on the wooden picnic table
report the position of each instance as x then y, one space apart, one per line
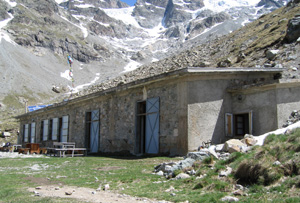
62 147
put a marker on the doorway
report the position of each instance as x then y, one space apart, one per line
93 131
147 126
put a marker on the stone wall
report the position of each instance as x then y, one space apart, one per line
118 118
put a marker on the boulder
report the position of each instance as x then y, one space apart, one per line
293 30
225 173
271 54
198 155
182 176
233 145
229 199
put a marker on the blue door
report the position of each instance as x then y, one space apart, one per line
152 126
94 132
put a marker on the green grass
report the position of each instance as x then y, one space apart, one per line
133 176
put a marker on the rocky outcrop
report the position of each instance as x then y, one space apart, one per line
3 10
149 13
71 4
198 25
177 13
293 31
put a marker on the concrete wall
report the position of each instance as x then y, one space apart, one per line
207 102
288 100
263 107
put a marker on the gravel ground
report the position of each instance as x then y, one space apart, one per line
17 155
86 194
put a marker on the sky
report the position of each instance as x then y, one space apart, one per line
129 2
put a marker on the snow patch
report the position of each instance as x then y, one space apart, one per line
132 65
12 4
83 29
3 34
123 14
260 139
60 1
79 87
85 6
222 5
66 75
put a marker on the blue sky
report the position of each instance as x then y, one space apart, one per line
129 2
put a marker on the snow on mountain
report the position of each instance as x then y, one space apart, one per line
3 34
12 4
219 6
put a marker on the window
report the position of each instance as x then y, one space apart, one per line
26 132
55 127
64 129
238 124
32 133
45 129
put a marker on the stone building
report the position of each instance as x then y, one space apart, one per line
169 113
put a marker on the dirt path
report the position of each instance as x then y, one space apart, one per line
87 194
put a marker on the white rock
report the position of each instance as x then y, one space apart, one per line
106 187
229 199
182 176
277 163
225 173
160 173
219 147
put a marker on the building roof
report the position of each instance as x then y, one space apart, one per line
123 83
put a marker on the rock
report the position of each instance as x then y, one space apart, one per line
192 172
276 163
233 145
271 54
165 167
106 187
238 193
160 173
219 147
36 193
293 30
38 188
68 192
239 187
188 162
224 63
250 141
182 176
171 189
229 199
56 188
225 173
198 155
212 151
